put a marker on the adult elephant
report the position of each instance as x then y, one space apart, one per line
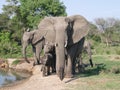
37 42
67 30
83 46
79 28
64 32
51 31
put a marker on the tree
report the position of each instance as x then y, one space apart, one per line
28 13
19 14
32 11
3 21
94 33
110 28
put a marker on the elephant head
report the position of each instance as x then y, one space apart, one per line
56 33
31 37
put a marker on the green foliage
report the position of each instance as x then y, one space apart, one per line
5 42
33 11
117 51
8 47
103 76
19 14
15 62
110 66
115 69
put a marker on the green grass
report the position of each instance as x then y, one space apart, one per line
15 62
102 49
101 77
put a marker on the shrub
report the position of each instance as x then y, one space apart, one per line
115 70
117 51
15 62
108 52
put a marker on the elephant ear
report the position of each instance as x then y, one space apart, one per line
79 27
36 37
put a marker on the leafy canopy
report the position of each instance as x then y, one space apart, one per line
32 11
19 14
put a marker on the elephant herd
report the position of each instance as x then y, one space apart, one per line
61 39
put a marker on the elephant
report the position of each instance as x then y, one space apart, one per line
48 61
65 33
37 42
84 47
79 28
69 32
87 48
54 31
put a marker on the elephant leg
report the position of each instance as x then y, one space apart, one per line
37 50
43 69
89 52
79 55
53 64
73 52
34 53
48 70
81 67
38 56
69 64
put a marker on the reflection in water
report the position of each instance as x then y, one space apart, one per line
10 76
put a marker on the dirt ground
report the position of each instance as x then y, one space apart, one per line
37 81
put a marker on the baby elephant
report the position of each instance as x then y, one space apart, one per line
48 64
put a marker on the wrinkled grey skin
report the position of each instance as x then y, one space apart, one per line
64 32
79 29
48 61
87 48
54 30
84 47
36 40
68 30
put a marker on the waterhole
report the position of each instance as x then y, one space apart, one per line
8 77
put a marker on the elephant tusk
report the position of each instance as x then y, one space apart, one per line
65 44
56 44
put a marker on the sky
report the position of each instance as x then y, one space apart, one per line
90 9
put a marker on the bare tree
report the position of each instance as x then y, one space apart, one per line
105 26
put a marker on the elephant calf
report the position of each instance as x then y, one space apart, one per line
48 61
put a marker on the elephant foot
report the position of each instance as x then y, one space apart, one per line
27 60
36 63
48 73
69 76
81 68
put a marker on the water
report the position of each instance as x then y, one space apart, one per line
10 76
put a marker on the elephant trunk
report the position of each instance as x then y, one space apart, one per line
24 52
60 61
60 57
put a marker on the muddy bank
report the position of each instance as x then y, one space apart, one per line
37 82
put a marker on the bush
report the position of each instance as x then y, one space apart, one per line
15 62
8 47
115 70
117 51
